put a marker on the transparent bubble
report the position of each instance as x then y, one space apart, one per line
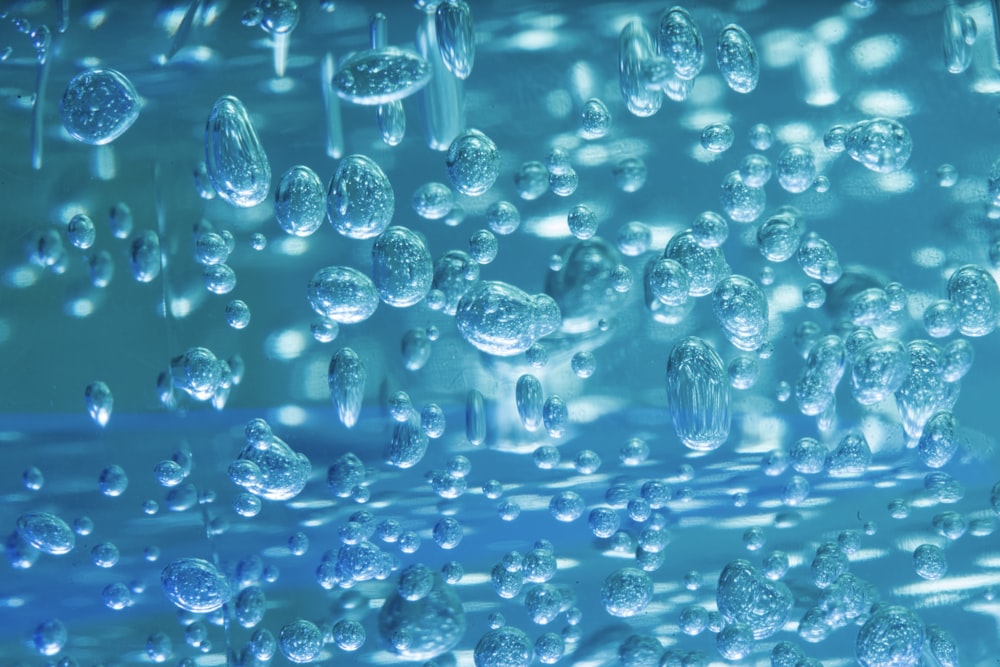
567 506
360 200
195 585
582 221
238 314
348 635
380 76
583 364
710 229
717 137
300 641
892 635
99 105
882 144
531 180
740 201
947 175
565 183
473 163
503 218
929 561
234 157
595 119
483 246
300 202
634 238
113 481
630 174
503 647
627 592
342 294
796 168
433 201
737 59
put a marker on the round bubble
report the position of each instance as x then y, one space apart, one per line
99 105
300 641
195 585
503 647
342 294
473 163
627 592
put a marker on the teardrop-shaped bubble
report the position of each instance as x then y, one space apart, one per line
377 76
529 400
705 266
473 163
342 294
501 319
741 310
925 390
198 372
402 270
347 385
737 59
416 349
283 472
740 201
46 532
745 595
698 394
892 636
360 200
408 443
100 402
475 417
635 51
98 106
144 256
432 624
456 37
195 585
234 157
250 606
974 293
818 259
881 144
300 201
824 368
555 416
679 40
878 370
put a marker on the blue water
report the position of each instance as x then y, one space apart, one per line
536 64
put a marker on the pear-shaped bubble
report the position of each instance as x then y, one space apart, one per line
234 157
283 473
881 144
408 443
195 585
342 294
300 201
360 200
925 390
378 76
198 372
402 270
99 105
737 59
698 394
824 368
432 624
347 385
456 37
501 319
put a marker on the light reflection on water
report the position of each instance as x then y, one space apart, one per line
822 64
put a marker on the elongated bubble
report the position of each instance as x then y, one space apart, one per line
892 637
974 293
939 440
698 394
528 396
501 319
475 418
925 390
679 40
234 157
391 120
360 200
46 532
456 37
824 367
98 106
144 256
402 270
741 310
635 51
959 36
378 76
99 402
737 59
347 378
